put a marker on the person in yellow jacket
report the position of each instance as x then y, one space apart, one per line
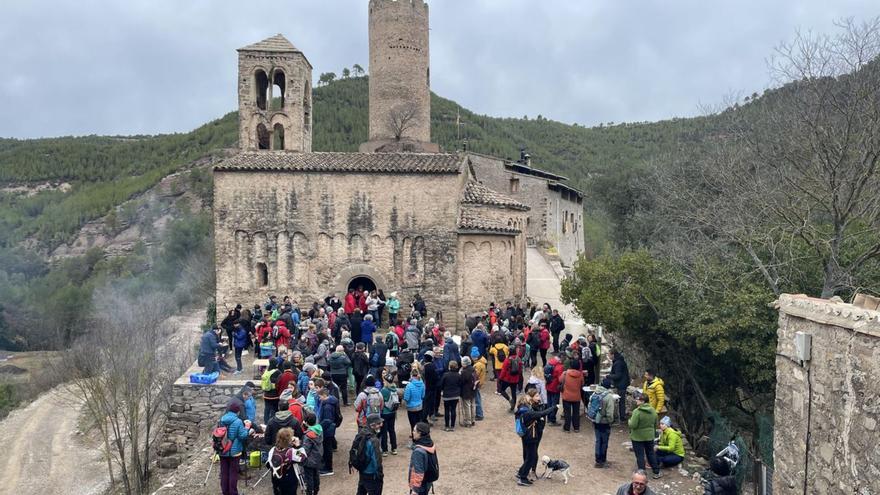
670 449
653 389
480 371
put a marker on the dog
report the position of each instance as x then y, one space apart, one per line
558 465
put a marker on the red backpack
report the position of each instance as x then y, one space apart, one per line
220 439
296 409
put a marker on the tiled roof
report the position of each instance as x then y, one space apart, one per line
476 193
472 220
277 43
425 163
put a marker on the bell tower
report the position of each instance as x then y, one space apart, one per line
400 78
274 97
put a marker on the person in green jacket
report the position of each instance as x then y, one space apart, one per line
641 432
393 309
670 451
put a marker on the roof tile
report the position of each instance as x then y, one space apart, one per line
476 193
277 43
426 163
473 220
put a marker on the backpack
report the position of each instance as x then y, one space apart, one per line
391 342
515 365
357 455
220 439
518 423
432 468
534 339
500 355
393 401
374 360
277 470
373 404
595 405
548 373
266 381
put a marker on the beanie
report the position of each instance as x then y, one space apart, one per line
423 428
475 353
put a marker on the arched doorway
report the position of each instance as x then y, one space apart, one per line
365 283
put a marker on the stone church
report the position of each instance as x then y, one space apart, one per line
400 214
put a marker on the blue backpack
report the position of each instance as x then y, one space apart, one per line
517 422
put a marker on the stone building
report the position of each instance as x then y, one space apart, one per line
398 215
827 407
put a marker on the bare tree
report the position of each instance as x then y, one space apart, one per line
791 180
123 373
401 119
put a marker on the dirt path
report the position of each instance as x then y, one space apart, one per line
45 452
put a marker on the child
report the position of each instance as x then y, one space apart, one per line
313 444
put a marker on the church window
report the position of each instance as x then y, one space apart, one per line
262 275
278 89
278 137
263 140
514 185
261 88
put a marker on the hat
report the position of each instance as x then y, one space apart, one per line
582 339
666 421
374 419
234 407
309 367
465 361
423 428
475 353
429 353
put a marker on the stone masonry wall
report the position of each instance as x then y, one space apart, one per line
194 410
546 219
830 404
399 68
317 231
296 114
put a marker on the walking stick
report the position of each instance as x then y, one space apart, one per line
261 479
210 467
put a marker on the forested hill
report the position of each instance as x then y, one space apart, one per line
105 171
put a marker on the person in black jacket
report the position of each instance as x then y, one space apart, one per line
719 480
432 385
355 321
360 366
557 325
282 419
531 422
450 388
620 379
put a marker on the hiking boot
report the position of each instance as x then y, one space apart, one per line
393 451
384 454
599 465
480 418
523 482
325 473
656 476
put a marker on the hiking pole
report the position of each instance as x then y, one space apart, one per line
210 467
261 479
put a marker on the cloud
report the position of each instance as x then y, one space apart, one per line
151 66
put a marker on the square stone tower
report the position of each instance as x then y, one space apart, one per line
274 97
400 77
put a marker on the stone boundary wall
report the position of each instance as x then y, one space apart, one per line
193 411
827 409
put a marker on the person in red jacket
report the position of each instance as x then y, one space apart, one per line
511 374
350 303
286 377
545 343
282 338
554 387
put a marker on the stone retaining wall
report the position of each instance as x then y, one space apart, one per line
194 410
827 409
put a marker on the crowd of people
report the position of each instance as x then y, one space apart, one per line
338 353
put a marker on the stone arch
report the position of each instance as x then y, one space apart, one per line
300 250
263 138
241 258
354 270
261 88
279 80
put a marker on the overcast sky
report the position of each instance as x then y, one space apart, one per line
150 66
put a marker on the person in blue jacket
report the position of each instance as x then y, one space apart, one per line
367 330
239 342
480 339
414 395
237 432
208 348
